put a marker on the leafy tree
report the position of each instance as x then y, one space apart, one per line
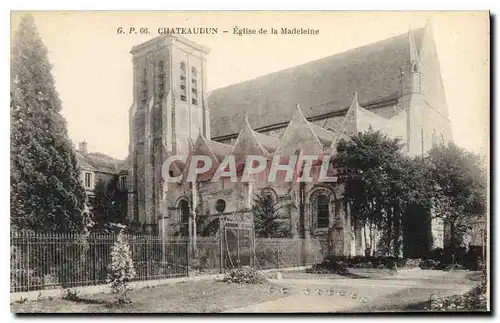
46 192
381 183
121 269
267 218
460 183
109 205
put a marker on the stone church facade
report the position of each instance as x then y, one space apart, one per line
393 85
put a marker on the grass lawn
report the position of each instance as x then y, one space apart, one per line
190 297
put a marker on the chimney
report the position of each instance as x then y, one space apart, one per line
82 147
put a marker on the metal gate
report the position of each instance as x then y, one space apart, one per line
237 243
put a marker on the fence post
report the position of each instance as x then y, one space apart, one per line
221 252
238 247
298 252
28 260
187 257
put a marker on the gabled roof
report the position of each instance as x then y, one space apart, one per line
358 119
325 136
248 144
299 135
268 142
219 149
321 86
215 150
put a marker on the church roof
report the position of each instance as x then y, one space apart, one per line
321 86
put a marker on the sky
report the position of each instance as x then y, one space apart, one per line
92 64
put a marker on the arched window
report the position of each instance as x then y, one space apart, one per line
322 211
184 215
183 82
194 86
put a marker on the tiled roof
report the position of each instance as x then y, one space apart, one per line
99 162
124 165
83 163
321 86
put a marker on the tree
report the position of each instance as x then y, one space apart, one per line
109 205
460 185
46 192
381 184
267 218
122 268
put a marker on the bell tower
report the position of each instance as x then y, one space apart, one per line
169 107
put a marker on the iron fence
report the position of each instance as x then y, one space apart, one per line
282 253
48 261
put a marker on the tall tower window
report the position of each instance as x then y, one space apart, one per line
144 85
161 79
194 86
183 82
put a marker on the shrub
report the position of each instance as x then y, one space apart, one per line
244 275
121 269
430 264
409 263
70 294
329 267
473 300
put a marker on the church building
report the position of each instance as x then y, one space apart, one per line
393 85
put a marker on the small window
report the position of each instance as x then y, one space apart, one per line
194 86
161 78
144 85
88 180
220 206
123 183
183 82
